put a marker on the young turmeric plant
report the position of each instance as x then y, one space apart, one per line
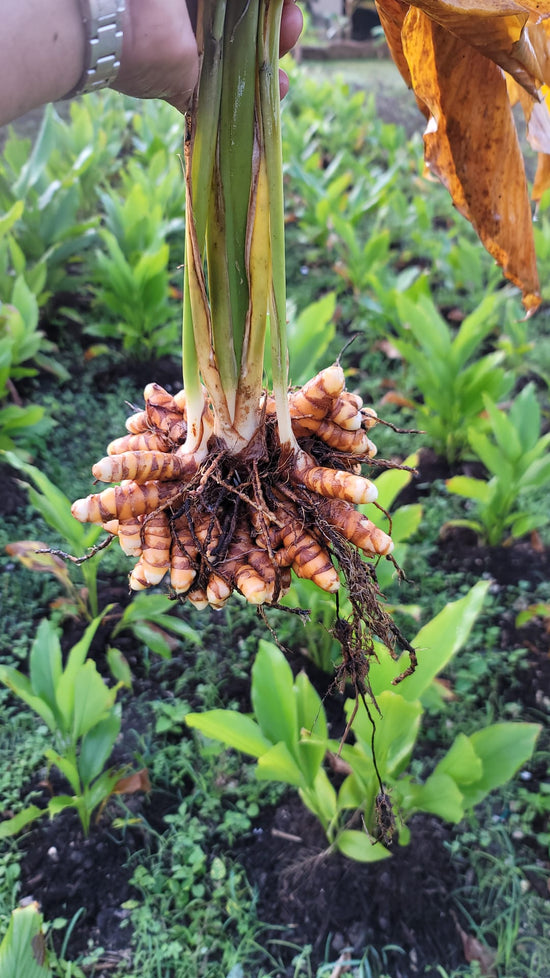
226 486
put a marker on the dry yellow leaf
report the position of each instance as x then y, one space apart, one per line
448 51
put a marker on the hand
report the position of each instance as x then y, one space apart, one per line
292 22
159 51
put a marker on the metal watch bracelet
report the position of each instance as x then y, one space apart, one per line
102 20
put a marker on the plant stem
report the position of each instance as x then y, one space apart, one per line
235 223
268 50
200 146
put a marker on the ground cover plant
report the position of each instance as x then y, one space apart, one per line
213 889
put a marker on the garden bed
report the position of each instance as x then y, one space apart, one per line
213 871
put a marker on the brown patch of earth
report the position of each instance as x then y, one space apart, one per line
332 903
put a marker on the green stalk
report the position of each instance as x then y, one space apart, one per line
200 151
268 49
236 221
219 289
235 151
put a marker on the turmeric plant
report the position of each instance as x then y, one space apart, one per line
226 486
288 735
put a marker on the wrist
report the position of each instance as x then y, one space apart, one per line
103 23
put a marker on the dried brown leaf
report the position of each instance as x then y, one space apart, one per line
474 950
28 552
388 349
510 33
541 182
137 781
394 397
471 144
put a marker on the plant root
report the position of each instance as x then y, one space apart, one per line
219 523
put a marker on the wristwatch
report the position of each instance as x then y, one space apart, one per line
102 20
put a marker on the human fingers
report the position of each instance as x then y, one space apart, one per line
292 22
159 52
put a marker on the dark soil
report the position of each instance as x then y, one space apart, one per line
306 896
13 497
87 881
331 903
80 880
430 469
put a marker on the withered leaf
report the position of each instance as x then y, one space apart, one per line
392 13
471 144
474 950
541 182
500 30
28 552
129 785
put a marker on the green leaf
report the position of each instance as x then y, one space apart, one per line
357 845
389 484
502 749
475 328
426 325
21 686
310 713
524 523
8 220
309 336
92 700
180 628
525 416
38 159
101 789
75 662
59 803
23 950
152 638
395 732
362 767
474 525
503 431
310 755
166 622
120 670
46 664
273 696
321 799
405 522
470 488
96 748
232 728
536 475
13 418
439 795
461 762
25 302
352 793
490 454
11 826
278 764
312 725
67 768
54 506
436 643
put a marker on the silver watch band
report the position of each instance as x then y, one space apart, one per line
102 21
